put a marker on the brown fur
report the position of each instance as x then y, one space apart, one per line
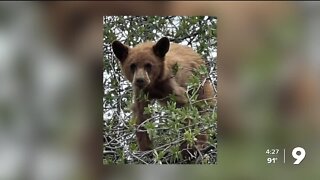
149 67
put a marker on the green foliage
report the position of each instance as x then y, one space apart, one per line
175 69
168 126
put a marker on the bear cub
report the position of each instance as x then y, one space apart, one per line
149 67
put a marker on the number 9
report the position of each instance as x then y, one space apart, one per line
299 157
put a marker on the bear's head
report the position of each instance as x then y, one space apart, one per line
143 64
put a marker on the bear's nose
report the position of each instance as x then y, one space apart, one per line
140 82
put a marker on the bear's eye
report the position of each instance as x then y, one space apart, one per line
148 67
133 67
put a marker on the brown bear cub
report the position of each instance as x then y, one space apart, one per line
149 67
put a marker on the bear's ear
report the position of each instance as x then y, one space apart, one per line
161 47
120 50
